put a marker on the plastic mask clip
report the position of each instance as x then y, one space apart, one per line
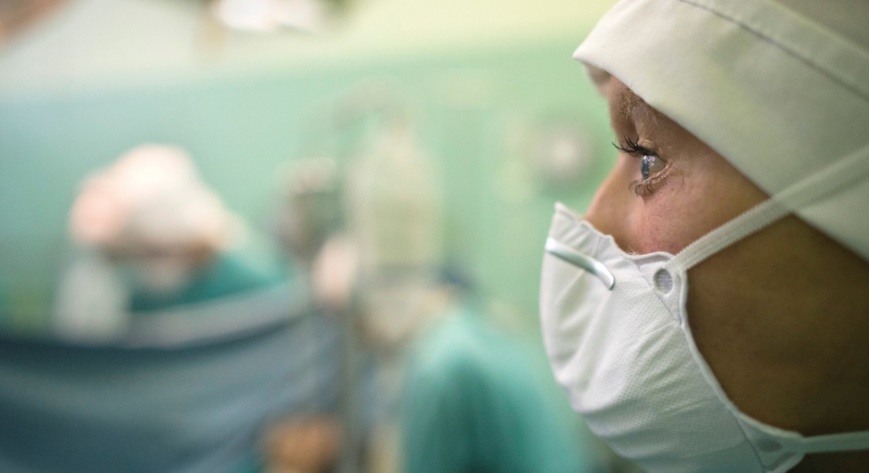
586 263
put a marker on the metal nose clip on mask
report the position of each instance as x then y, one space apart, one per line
618 339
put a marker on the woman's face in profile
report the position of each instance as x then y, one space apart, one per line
756 309
667 188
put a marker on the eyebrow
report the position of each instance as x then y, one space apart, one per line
633 107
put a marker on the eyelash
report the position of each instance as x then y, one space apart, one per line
643 188
633 148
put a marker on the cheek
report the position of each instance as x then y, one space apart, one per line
673 217
639 225
665 221
692 204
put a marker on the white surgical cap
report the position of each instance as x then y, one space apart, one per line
152 195
780 88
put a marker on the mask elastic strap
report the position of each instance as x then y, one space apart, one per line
840 175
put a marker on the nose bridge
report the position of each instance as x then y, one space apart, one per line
608 209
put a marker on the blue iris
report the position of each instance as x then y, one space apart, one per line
647 162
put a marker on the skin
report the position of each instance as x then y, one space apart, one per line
781 316
302 446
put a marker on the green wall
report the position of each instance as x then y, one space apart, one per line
478 115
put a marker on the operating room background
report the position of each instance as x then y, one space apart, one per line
507 119
495 97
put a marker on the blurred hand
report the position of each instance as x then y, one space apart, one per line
302 446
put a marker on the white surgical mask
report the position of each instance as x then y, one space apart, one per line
619 341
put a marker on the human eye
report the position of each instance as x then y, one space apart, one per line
652 167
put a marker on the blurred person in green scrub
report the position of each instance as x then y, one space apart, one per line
476 400
156 242
458 394
153 237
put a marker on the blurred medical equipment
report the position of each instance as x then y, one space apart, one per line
306 214
309 207
309 224
396 224
394 211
